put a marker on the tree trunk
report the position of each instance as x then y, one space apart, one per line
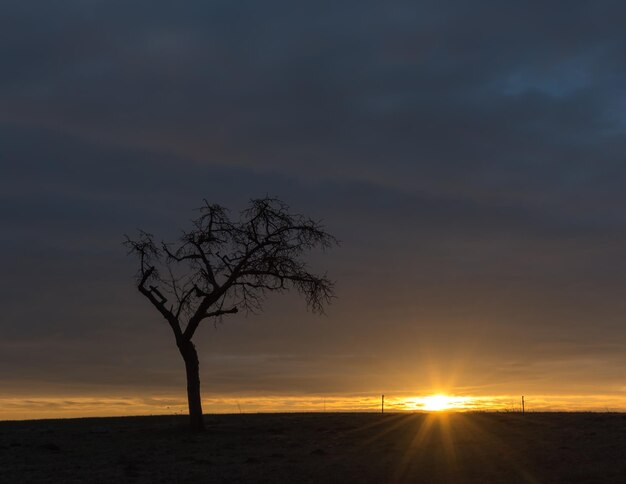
192 365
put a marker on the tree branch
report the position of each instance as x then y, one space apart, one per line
234 264
166 313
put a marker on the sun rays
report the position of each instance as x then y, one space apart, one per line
448 445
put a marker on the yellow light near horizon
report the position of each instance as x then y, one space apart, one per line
437 403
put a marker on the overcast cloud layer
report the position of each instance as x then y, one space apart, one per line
469 157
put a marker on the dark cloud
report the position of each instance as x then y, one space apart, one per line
469 157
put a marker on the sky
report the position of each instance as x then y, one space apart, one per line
468 155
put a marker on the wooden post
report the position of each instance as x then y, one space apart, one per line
382 404
523 408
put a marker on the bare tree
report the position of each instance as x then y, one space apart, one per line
222 266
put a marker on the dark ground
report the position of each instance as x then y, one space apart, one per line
325 447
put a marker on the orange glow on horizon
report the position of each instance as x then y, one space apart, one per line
26 407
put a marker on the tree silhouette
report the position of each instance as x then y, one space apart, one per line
222 266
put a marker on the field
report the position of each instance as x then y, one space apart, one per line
320 447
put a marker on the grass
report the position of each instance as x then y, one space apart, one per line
319 447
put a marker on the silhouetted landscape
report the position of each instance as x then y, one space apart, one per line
320 447
278 241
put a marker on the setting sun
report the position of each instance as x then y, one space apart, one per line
439 402
436 403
